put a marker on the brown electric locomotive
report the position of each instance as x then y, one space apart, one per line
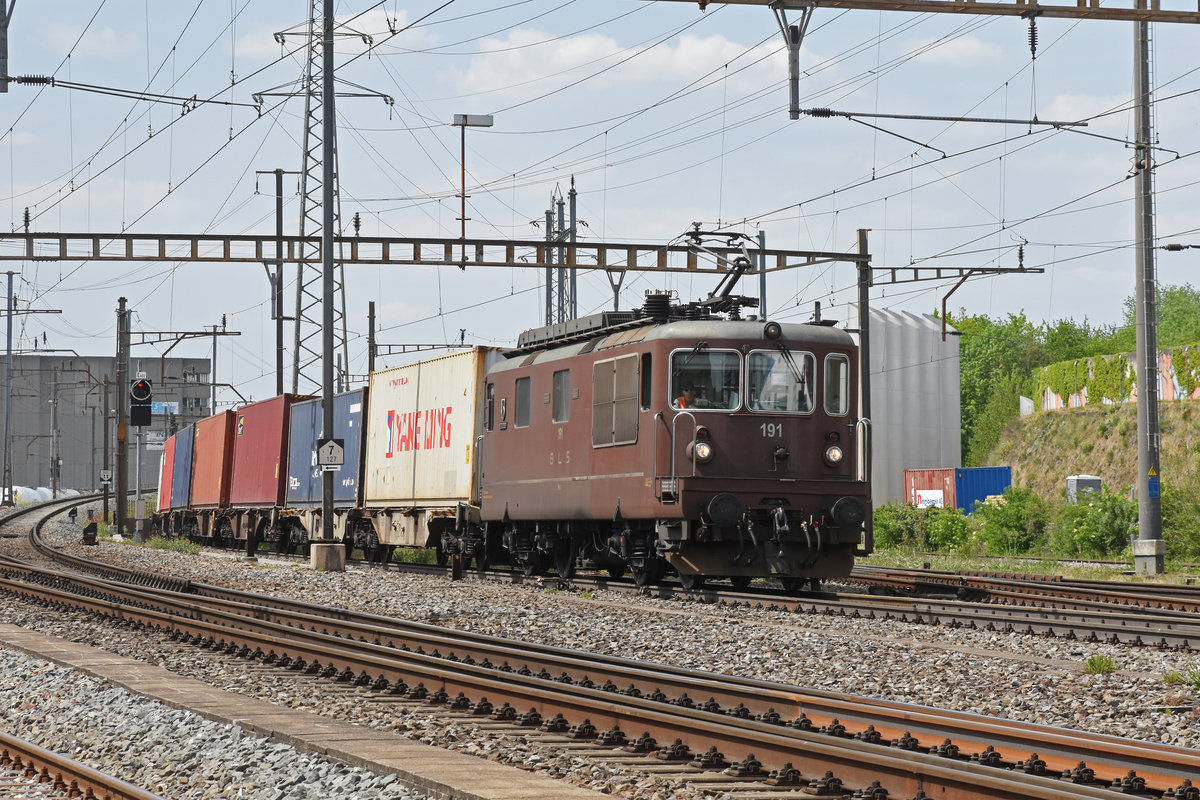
673 439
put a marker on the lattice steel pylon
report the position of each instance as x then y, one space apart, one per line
308 349
307 346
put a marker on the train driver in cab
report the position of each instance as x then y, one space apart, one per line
688 398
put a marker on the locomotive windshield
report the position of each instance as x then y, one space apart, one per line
706 379
781 381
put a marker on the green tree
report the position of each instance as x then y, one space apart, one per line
1178 315
1003 406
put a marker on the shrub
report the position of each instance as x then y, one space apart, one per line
1099 525
899 525
948 529
1181 523
1013 524
178 545
1100 665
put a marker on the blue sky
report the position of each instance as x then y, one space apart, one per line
664 114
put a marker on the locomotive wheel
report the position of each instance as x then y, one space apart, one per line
564 558
739 581
616 572
440 555
690 582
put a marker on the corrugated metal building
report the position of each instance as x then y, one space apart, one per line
915 403
57 407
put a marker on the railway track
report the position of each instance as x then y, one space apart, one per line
1117 621
1047 590
753 730
27 770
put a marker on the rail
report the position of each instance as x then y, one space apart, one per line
64 774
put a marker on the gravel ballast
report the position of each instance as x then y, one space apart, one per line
1010 675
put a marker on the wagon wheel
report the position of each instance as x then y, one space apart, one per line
373 552
482 560
646 572
533 564
690 582
793 585
440 555
739 582
564 558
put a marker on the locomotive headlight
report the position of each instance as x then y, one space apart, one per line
701 452
833 455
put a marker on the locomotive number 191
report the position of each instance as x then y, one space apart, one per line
772 430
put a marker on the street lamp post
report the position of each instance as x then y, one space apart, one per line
464 121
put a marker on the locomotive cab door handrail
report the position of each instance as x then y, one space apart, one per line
862 461
661 482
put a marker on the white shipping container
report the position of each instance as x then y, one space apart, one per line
423 420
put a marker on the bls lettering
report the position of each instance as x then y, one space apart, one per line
418 430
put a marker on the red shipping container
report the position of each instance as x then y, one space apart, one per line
166 470
930 487
260 452
211 454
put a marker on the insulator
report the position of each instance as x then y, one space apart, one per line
1021 256
820 112
1033 37
35 80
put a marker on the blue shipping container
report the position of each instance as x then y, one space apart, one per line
974 484
181 472
304 476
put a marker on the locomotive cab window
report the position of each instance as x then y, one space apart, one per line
837 384
522 410
562 395
781 381
706 379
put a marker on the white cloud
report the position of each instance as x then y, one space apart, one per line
105 43
520 59
962 51
1076 107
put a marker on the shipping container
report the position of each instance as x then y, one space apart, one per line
974 485
954 487
165 467
928 488
181 472
212 452
303 475
422 431
259 452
